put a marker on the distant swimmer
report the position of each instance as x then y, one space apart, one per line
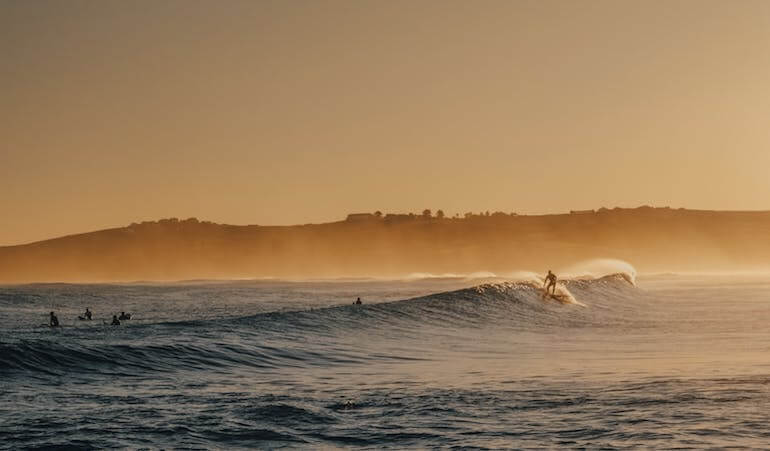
54 321
550 279
124 316
358 301
86 316
115 321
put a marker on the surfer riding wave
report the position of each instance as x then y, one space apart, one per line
550 281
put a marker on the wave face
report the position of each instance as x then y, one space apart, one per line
266 339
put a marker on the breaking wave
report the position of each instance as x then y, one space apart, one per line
312 337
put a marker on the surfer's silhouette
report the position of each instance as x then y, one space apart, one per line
550 280
124 316
358 301
87 315
54 321
115 321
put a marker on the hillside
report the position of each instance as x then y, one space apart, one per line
653 239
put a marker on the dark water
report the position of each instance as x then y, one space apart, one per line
672 362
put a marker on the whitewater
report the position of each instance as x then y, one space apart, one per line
480 361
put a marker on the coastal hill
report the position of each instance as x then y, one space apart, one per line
652 239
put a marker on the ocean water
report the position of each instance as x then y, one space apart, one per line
672 361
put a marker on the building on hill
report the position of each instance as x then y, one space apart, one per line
358 217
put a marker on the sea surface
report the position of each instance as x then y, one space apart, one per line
660 361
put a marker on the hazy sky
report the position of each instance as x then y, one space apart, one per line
292 112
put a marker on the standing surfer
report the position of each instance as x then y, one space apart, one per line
550 279
53 321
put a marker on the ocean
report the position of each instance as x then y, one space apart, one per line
658 361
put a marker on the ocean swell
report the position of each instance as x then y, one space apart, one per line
307 338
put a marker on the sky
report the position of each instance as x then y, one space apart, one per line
292 112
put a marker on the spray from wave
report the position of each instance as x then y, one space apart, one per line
600 267
587 270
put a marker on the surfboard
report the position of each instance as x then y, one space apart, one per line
559 297
564 299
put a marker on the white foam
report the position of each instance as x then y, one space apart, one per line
600 267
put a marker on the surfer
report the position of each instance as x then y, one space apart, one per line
358 301
115 321
87 315
550 279
54 321
124 316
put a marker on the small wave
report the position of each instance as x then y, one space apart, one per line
54 358
470 276
287 413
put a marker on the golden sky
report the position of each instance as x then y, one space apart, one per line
283 112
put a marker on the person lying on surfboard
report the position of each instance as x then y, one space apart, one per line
550 279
